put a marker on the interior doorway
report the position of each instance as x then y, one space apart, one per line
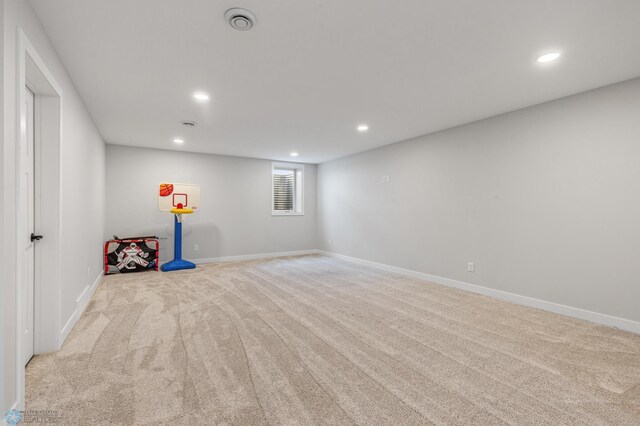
38 201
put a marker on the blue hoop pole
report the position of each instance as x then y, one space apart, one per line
177 263
177 240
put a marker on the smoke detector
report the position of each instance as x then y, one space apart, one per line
240 19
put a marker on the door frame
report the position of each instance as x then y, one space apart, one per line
31 204
32 71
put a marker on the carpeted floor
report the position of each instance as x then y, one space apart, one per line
316 340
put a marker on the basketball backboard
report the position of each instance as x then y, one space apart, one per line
172 194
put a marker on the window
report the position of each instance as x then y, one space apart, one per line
287 188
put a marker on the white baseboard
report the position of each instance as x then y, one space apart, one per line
83 300
251 256
598 318
81 304
621 323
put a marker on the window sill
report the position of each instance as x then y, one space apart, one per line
287 214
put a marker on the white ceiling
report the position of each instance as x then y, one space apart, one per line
310 71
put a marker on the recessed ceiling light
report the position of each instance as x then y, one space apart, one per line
548 57
178 140
294 154
240 19
201 96
363 128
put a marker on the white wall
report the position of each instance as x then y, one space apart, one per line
545 201
234 218
83 188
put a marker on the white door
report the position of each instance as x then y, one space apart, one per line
29 192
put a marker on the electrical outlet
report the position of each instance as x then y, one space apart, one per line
471 267
195 247
329 242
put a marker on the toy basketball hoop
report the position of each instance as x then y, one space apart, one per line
178 199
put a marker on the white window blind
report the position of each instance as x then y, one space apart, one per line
283 189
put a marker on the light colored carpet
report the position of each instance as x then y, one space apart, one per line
315 340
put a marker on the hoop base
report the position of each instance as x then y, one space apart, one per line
177 264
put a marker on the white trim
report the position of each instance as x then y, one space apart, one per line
45 327
299 188
81 304
83 300
252 256
73 319
621 323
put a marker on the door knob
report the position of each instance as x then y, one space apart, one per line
35 237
